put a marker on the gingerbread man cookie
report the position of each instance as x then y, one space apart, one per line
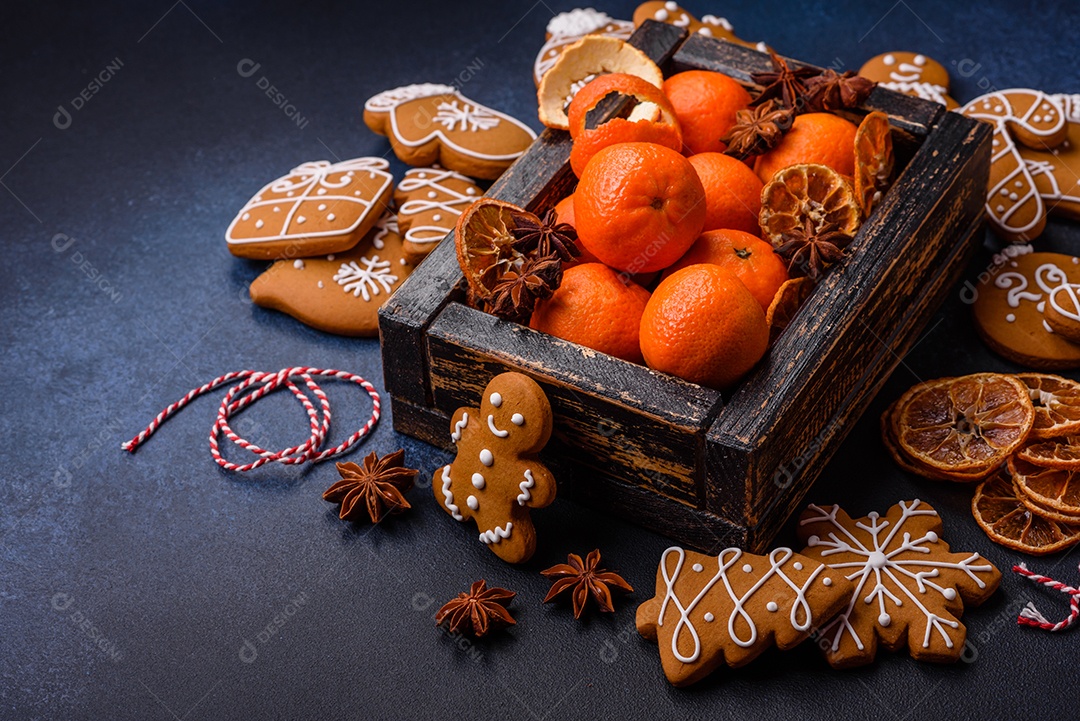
317 208
1013 202
429 201
1056 171
729 608
1013 312
911 74
496 478
909 589
432 124
674 14
569 27
339 293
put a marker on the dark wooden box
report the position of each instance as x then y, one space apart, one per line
707 469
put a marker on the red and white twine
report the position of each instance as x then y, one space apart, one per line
1030 616
318 418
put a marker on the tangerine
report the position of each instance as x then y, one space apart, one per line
820 138
703 325
639 206
597 308
732 192
705 103
753 261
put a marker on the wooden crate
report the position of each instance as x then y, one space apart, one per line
707 469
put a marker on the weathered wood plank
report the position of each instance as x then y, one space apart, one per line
792 406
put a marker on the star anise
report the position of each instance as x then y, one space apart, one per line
545 235
377 487
479 611
586 580
518 289
784 83
757 130
834 91
810 251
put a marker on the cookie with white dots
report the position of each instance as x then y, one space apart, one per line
496 478
429 201
674 14
318 208
728 609
911 74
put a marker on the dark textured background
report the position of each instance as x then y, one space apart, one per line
143 586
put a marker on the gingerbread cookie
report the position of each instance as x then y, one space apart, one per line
496 478
729 608
317 208
429 201
674 14
569 27
1010 311
1056 172
1013 203
909 589
339 293
435 124
911 74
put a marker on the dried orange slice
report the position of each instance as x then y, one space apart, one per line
1061 453
1057 404
1007 521
965 424
485 243
874 160
786 303
1044 511
1051 487
889 436
806 191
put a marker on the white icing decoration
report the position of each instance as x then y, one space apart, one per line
517 419
497 534
368 280
307 179
1054 285
450 202
466 117
529 482
1011 318
496 400
771 606
385 225
880 561
448 495
709 618
330 216
259 223
322 206
459 426
478 481
298 264
494 430
747 568
698 567
320 284
486 457
581 21
725 560
661 15
797 566
472 503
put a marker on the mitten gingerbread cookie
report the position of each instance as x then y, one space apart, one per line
1015 314
339 293
317 208
1013 203
569 27
432 124
429 201
711 610
496 478
909 589
674 14
911 74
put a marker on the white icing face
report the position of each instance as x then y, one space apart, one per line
496 400
486 457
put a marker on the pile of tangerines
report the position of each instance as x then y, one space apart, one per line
671 252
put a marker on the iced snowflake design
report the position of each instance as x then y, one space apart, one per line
896 563
368 280
468 117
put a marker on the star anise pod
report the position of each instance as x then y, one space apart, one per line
518 289
810 251
479 611
784 83
586 580
757 130
834 91
377 487
545 235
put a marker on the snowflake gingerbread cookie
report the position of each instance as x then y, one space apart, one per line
318 208
729 608
430 124
909 589
496 478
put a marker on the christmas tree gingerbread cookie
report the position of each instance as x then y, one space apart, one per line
429 201
496 478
